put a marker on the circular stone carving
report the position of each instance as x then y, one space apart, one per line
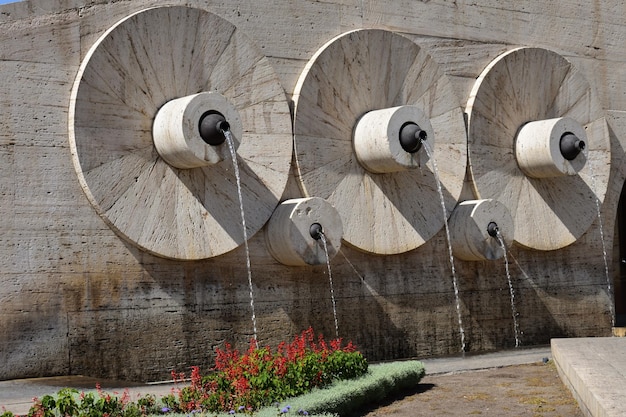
143 62
356 73
529 85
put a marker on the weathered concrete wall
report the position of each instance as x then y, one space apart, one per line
77 299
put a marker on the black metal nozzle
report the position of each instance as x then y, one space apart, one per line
571 146
316 231
411 137
212 126
492 229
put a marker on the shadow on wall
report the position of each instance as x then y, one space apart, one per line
619 232
177 313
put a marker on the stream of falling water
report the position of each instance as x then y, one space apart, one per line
511 290
233 154
604 253
430 154
330 280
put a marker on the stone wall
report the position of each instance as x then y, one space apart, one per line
78 299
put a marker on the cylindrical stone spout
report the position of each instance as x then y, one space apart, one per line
188 131
294 232
389 140
475 226
551 148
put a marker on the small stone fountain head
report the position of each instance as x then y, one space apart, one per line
411 137
492 229
570 146
316 231
212 126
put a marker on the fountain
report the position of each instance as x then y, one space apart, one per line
482 230
124 213
144 135
530 139
294 232
609 286
213 131
363 154
472 230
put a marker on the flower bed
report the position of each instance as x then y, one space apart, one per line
260 377
239 383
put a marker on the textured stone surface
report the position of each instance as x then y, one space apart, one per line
514 93
389 201
77 299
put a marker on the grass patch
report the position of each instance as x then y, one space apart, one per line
479 396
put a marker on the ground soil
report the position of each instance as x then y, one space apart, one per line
524 390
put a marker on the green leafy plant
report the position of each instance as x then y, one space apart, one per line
260 377
69 402
240 383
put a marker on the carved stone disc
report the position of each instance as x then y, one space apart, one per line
138 65
526 85
351 75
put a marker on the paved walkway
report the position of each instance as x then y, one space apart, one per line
593 368
595 371
17 395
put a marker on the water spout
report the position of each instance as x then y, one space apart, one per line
316 232
492 229
388 140
294 231
212 127
551 148
570 146
188 131
411 137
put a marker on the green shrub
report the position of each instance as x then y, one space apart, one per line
346 396
260 377
343 397
69 402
